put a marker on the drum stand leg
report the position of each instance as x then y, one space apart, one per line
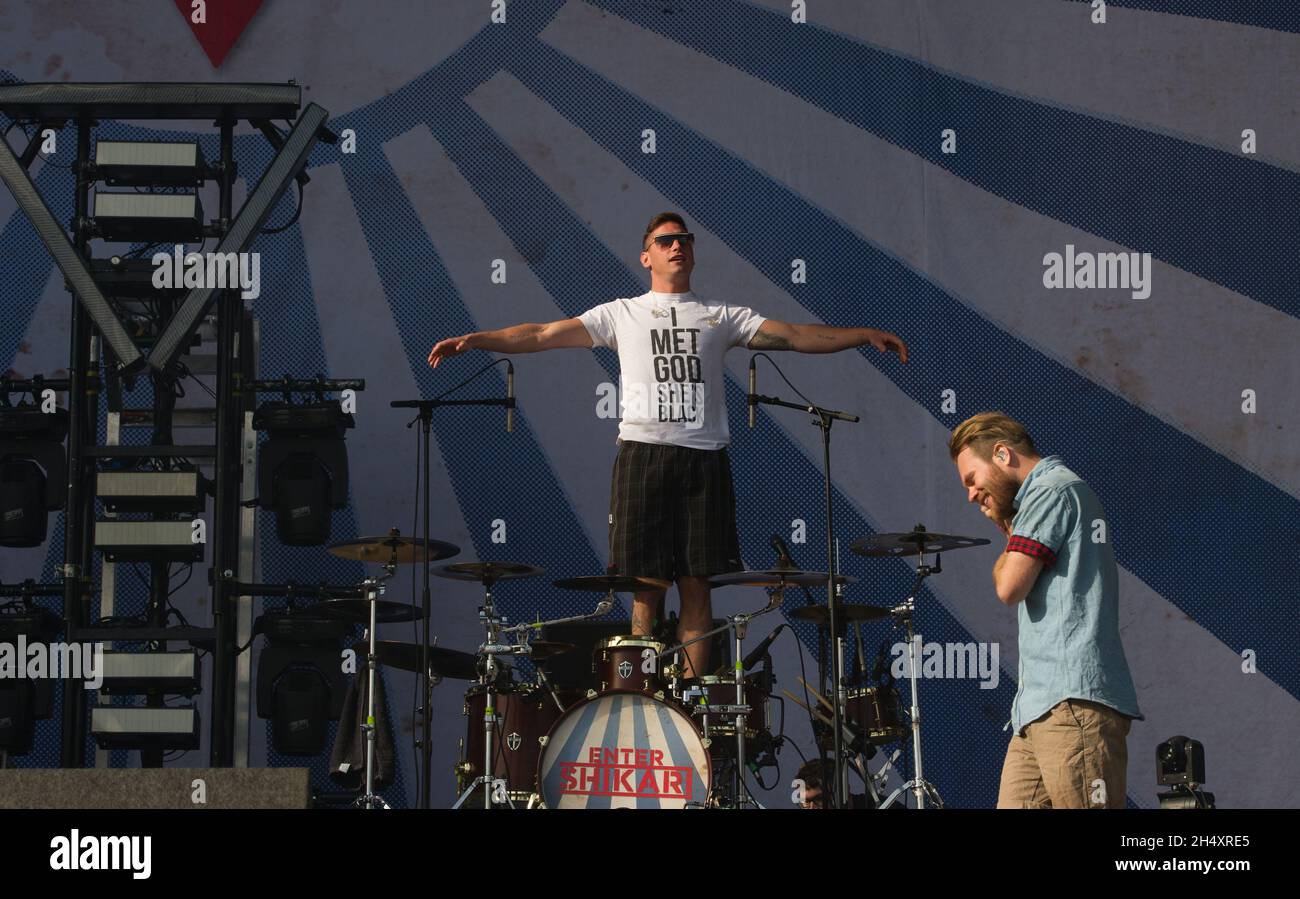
920 787
369 800
738 666
488 679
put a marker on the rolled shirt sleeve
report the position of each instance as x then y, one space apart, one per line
1043 523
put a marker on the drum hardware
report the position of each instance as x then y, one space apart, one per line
494 791
404 550
374 588
738 624
919 541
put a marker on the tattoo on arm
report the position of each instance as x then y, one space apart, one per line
761 341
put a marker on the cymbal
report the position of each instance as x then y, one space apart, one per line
777 577
391 547
910 543
358 610
487 572
821 615
604 583
544 649
450 663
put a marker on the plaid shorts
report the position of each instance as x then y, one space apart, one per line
672 512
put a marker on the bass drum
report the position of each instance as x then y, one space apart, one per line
624 750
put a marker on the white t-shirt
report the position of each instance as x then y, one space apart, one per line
670 348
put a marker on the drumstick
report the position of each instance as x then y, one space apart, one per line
824 701
818 715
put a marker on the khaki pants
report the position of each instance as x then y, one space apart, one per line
1075 756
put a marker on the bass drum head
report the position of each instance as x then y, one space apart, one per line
624 750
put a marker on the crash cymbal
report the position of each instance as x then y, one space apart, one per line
358 610
392 547
777 577
604 583
821 615
487 572
909 543
449 663
544 649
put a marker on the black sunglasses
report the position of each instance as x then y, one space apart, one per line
666 240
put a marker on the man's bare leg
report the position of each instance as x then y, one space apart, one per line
696 619
647 609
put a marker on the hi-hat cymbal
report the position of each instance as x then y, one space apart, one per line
544 649
777 577
386 611
604 583
392 548
449 663
821 615
487 572
910 543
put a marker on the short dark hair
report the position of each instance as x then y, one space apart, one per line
660 219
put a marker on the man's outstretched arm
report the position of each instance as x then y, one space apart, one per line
528 338
778 335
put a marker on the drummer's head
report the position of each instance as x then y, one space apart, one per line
814 775
993 454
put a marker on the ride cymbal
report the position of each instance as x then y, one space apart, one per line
391 548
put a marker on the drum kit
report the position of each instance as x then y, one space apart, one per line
644 735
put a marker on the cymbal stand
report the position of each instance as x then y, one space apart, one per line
904 614
737 624
488 671
374 588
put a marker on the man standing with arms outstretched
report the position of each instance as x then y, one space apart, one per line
672 507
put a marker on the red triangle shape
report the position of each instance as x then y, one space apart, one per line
225 22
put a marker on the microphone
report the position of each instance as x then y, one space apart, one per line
761 649
753 389
783 559
510 396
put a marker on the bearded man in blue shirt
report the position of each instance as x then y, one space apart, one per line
1075 701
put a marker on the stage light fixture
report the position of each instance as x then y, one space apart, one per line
33 471
303 467
1180 763
24 701
300 687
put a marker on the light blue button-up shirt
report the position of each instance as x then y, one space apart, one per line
1069 623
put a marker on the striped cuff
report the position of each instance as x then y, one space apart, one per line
1033 548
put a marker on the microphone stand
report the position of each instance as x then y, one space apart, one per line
824 418
425 417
